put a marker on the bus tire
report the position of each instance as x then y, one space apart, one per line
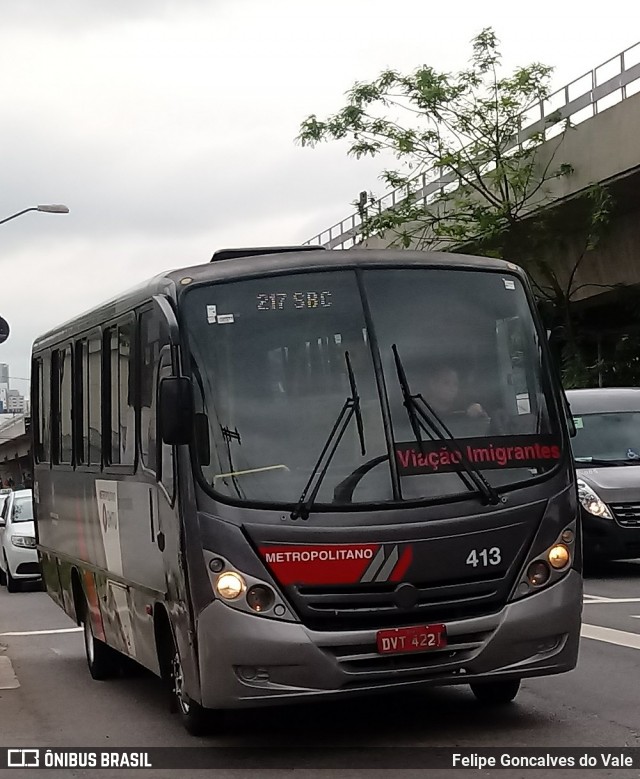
496 693
195 718
102 661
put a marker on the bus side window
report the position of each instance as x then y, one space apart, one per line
153 337
92 401
38 409
61 388
119 424
65 399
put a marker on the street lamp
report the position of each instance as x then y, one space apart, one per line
48 209
55 208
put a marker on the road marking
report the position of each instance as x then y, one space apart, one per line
8 679
611 636
611 600
40 632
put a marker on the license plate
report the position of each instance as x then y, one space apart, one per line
415 639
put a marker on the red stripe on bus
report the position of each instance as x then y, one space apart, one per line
318 563
402 566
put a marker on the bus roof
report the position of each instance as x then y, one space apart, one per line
225 265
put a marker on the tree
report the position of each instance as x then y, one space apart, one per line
495 175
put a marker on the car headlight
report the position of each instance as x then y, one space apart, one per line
592 502
27 542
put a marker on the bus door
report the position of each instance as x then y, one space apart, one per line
172 514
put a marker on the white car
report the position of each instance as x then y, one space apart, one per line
18 554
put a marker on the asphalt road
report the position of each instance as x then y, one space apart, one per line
48 699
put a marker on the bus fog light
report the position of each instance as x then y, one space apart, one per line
250 674
260 598
559 556
549 644
567 536
538 573
230 585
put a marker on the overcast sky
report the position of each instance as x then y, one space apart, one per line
168 126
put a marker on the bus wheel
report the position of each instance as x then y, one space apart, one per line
196 719
101 659
496 693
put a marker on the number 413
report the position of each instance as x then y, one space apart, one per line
484 557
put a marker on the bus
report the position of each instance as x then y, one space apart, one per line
292 474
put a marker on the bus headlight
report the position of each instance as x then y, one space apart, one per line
230 585
591 501
241 591
538 573
549 566
260 597
559 557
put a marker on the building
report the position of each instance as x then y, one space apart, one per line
11 401
15 402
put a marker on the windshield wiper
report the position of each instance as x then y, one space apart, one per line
422 416
350 408
610 463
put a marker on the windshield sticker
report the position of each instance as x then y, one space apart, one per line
577 421
501 452
226 319
212 314
509 284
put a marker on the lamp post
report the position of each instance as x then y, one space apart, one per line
55 208
47 209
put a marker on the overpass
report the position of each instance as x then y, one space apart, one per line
15 444
603 106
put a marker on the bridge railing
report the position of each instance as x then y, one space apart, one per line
598 89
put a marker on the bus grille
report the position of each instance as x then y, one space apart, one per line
627 514
373 605
364 659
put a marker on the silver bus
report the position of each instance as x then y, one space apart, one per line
289 475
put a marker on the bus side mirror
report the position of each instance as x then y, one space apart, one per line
176 410
203 445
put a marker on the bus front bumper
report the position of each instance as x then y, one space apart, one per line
248 660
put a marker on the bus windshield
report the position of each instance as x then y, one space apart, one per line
271 378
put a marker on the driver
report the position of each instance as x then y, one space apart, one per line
443 394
